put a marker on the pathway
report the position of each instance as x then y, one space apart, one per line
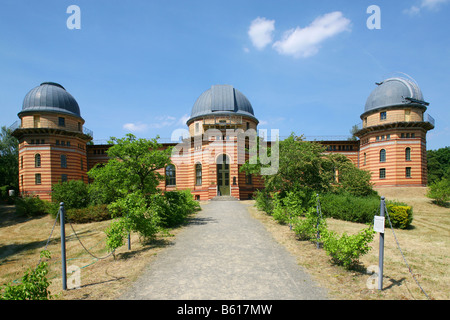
225 254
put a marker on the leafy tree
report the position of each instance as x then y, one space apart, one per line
132 166
439 190
9 159
351 179
73 193
438 163
301 165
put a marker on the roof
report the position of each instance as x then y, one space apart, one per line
50 97
394 92
221 100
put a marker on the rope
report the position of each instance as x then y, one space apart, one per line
404 259
49 237
79 240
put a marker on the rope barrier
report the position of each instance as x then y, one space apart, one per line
79 240
403 256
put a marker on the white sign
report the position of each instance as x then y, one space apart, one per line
378 224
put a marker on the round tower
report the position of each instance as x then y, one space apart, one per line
393 134
216 117
52 140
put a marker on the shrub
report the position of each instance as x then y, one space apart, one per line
31 206
89 214
135 215
279 211
34 284
73 193
439 191
263 201
347 249
400 215
306 228
173 207
347 207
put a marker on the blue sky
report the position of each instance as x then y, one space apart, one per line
306 66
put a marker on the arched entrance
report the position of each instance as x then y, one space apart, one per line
223 175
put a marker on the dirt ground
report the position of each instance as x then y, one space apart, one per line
425 247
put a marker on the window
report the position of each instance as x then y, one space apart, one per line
57 142
63 161
64 178
248 125
408 172
37 121
408 154
170 175
197 127
382 173
198 174
82 164
21 162
79 126
61 122
383 115
365 158
248 179
382 155
37 160
37 178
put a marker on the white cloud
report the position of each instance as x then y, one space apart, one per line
183 119
432 5
135 127
261 32
305 42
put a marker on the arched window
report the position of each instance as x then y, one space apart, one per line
170 175
382 155
408 154
37 160
63 161
365 158
198 174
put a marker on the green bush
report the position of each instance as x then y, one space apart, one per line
439 191
400 215
347 207
306 228
134 215
173 207
263 201
73 193
346 249
31 206
34 284
88 214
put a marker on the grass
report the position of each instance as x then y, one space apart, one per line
22 239
425 246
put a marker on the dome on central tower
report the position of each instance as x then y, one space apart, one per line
221 100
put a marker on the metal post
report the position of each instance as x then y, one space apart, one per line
381 256
318 221
129 242
63 245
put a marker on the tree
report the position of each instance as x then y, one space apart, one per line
9 159
438 163
351 179
301 165
132 166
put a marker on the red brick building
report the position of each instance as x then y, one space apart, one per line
54 144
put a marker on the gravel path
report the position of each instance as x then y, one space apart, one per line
225 254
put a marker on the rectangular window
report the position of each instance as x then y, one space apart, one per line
382 173
408 172
197 127
383 115
37 178
57 142
64 178
248 179
61 122
63 161
37 121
